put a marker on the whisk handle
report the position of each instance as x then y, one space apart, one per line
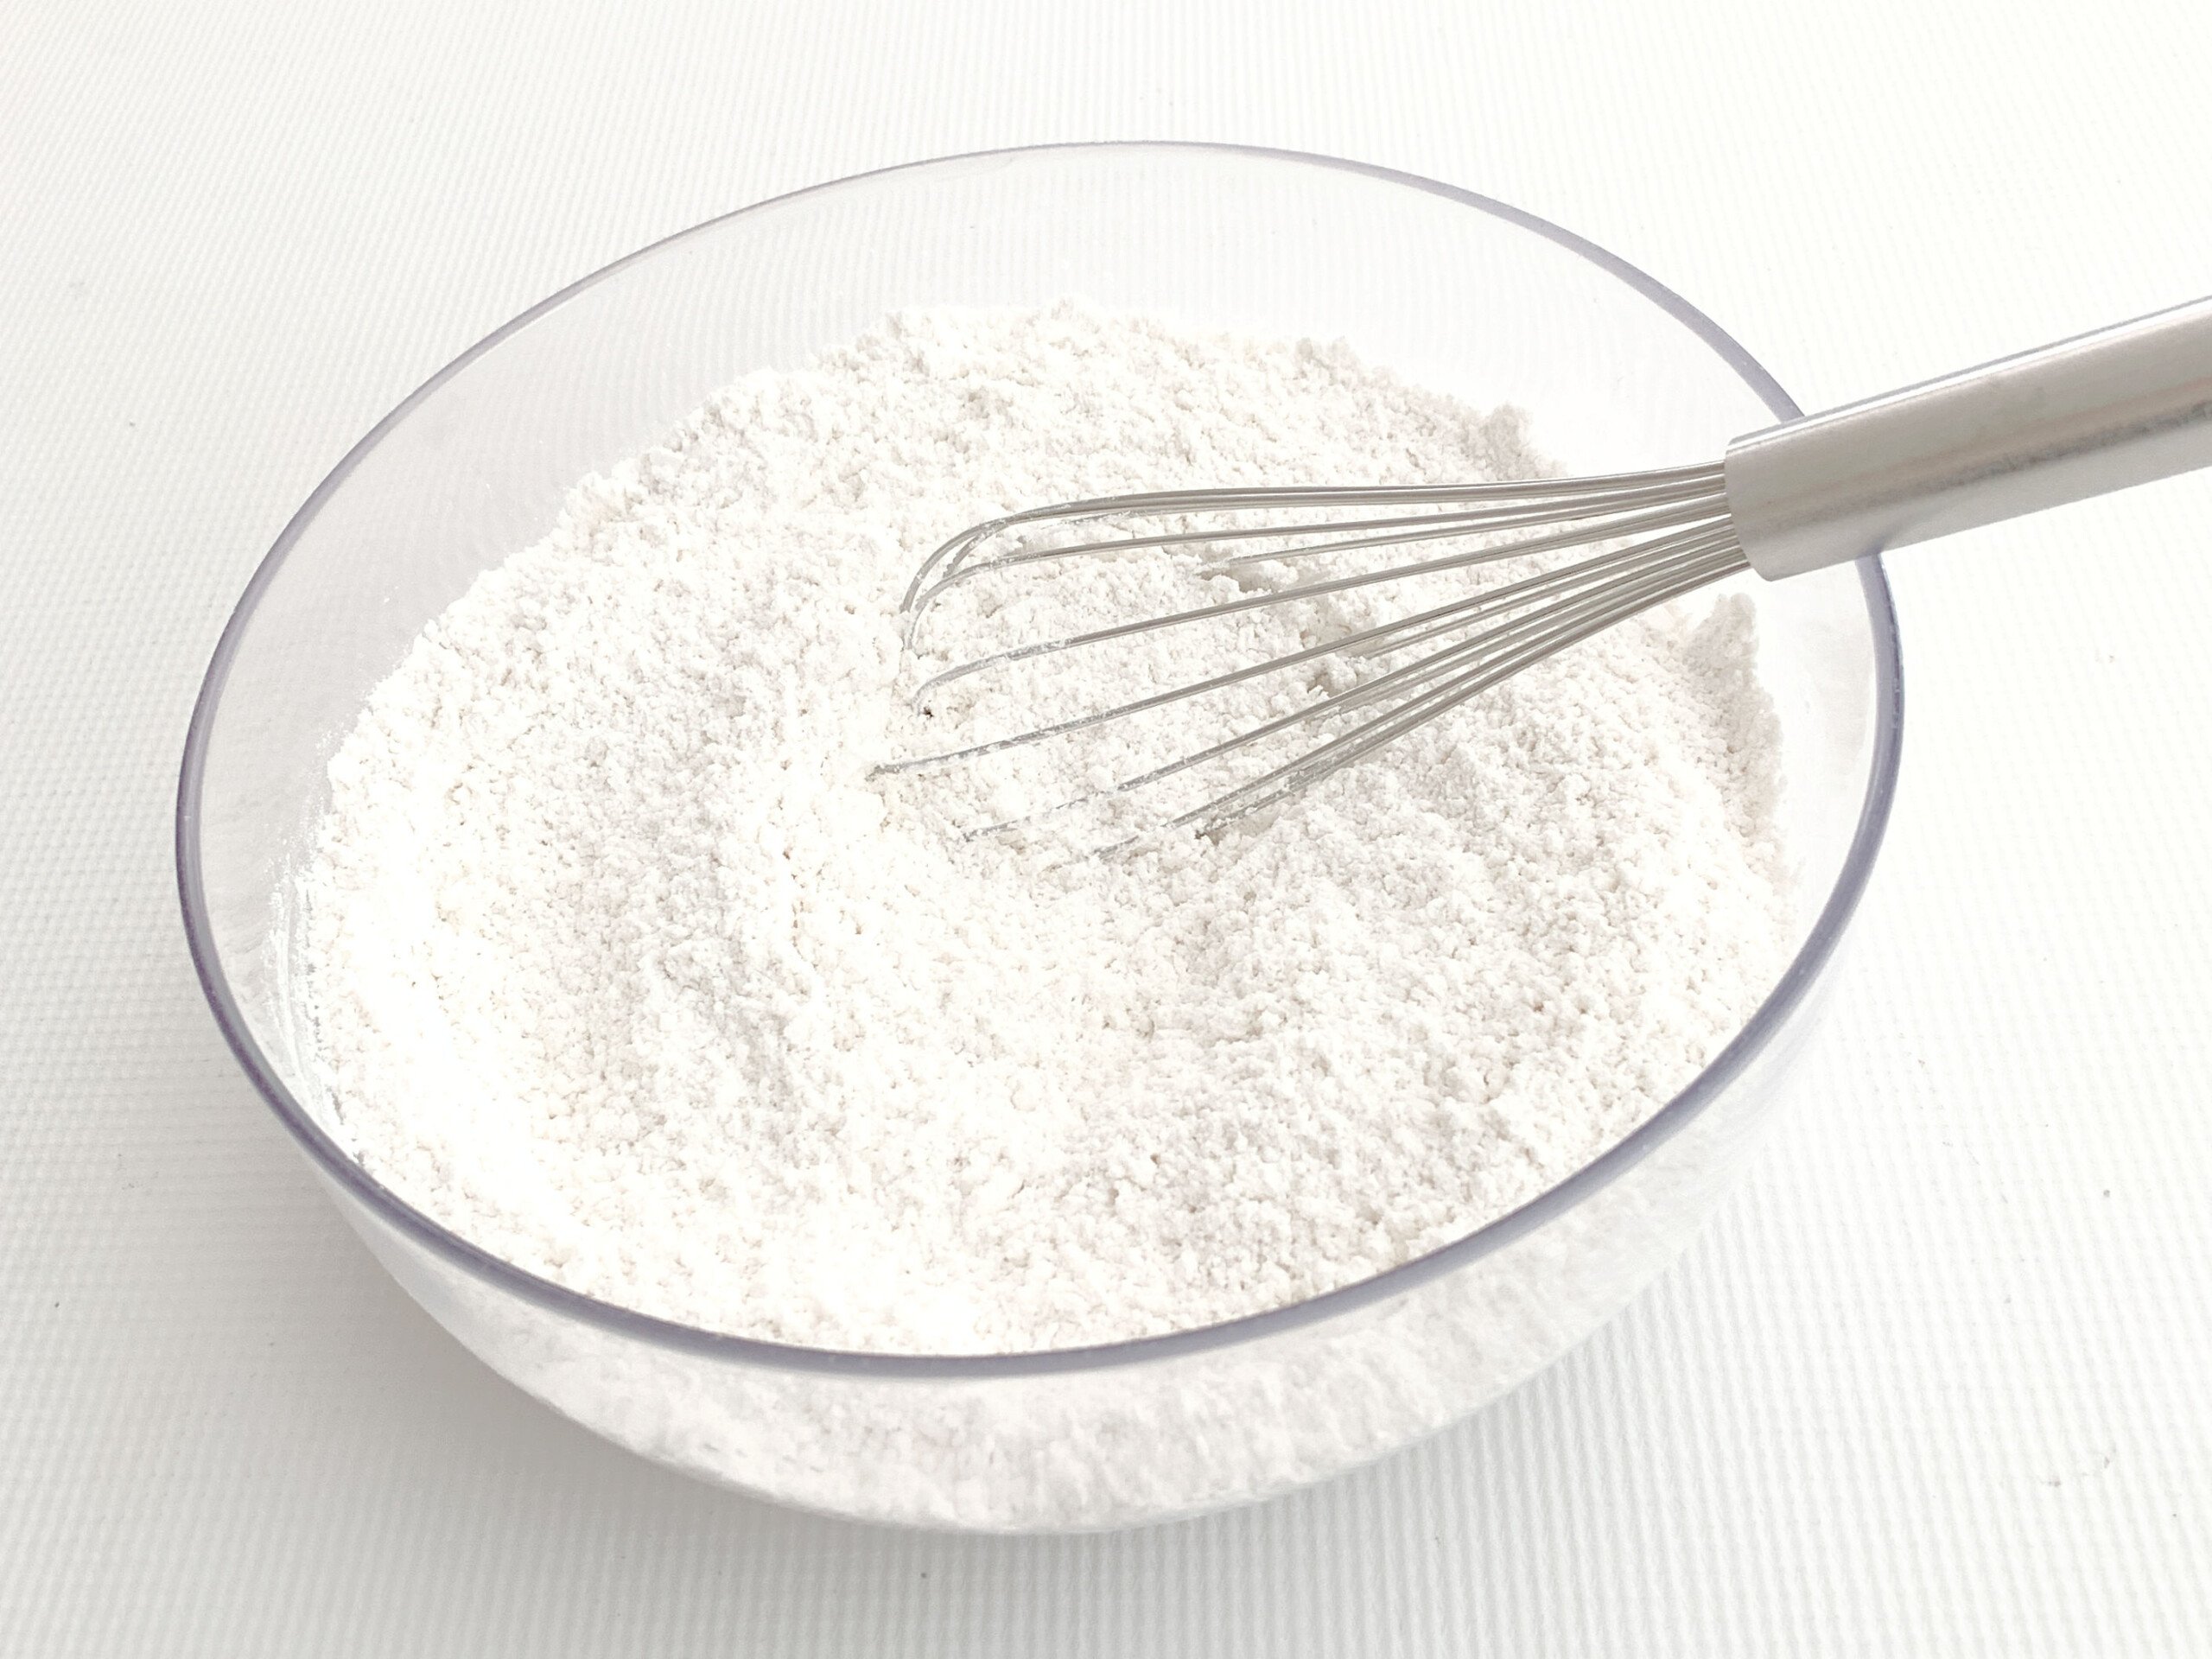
2085 416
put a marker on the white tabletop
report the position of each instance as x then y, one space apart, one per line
1933 1382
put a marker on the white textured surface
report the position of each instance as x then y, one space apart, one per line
1933 1384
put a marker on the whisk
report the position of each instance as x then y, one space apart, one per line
2081 417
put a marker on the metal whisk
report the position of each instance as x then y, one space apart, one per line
2087 416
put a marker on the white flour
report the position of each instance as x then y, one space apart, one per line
624 968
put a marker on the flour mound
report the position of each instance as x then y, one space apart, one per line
624 966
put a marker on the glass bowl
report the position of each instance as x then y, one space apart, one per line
1454 290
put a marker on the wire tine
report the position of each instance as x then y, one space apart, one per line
1688 507
1316 764
1318 494
1475 605
1347 645
1429 527
1656 519
1295 495
1310 768
1159 502
955 547
1426 527
1433 524
1466 522
1154 501
1593 598
1597 581
1566 611
1587 571
1720 554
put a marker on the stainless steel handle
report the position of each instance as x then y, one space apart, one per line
2121 406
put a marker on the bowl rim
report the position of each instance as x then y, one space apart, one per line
1789 991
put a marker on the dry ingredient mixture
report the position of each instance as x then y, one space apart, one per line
624 966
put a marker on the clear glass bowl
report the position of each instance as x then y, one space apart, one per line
1454 290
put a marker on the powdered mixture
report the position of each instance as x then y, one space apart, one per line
625 967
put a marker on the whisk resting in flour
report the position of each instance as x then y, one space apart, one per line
2081 417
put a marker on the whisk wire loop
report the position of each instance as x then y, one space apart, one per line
1659 535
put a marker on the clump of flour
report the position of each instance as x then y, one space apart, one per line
625 967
